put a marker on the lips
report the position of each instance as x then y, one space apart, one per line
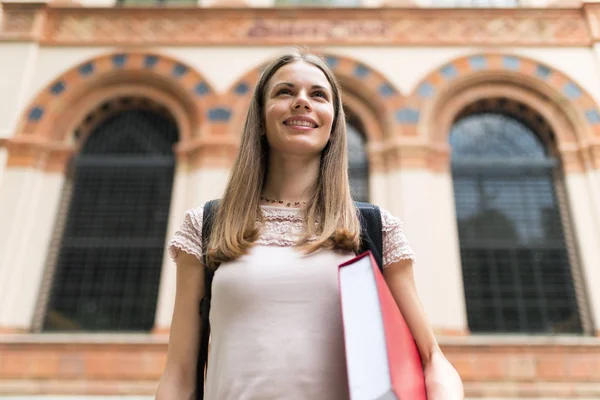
301 121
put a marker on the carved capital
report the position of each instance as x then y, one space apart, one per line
211 151
573 160
33 153
594 154
377 159
418 156
22 21
592 15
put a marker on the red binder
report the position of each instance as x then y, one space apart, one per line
382 358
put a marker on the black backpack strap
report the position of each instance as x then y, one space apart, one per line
207 221
371 230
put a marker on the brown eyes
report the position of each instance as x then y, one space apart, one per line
317 93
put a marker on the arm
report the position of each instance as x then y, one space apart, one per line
441 379
179 377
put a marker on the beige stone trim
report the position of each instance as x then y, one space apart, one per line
594 155
22 21
373 129
29 152
208 152
442 115
405 154
65 124
71 26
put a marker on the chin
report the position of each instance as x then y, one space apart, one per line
303 147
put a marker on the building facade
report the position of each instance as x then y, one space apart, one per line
477 124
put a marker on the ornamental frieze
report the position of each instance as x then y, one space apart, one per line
205 26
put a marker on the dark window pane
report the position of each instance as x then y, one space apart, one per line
516 268
108 270
358 164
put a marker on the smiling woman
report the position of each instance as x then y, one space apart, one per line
299 116
286 222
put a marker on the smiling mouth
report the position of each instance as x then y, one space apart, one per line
305 124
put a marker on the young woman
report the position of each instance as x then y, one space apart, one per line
285 222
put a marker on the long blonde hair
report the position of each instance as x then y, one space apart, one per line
331 219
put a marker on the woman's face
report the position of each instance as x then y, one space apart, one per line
298 109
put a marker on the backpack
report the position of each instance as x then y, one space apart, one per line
371 238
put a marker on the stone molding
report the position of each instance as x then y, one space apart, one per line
132 364
67 25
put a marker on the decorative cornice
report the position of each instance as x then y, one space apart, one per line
594 157
73 26
22 21
212 151
32 152
592 15
414 155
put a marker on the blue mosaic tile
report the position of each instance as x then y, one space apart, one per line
150 61
58 88
332 61
386 90
242 88
361 71
571 90
449 71
179 70
543 72
35 114
478 63
201 89
511 62
407 116
426 89
86 69
593 116
119 60
219 114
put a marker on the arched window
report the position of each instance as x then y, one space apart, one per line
358 163
107 270
517 268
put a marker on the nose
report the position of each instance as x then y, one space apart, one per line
301 102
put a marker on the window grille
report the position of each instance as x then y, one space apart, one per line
143 3
319 3
516 264
475 3
109 262
358 164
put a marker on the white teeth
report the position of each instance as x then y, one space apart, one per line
301 123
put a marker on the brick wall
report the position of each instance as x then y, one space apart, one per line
132 364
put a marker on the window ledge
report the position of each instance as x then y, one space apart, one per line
520 340
85 338
161 339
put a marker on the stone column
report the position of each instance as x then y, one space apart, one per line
582 192
29 199
179 204
20 27
423 192
201 175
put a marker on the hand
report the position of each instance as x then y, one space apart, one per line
442 382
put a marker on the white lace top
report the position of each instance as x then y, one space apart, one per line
275 312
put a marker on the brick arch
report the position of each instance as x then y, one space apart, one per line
50 113
363 84
547 83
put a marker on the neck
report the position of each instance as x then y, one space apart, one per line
290 178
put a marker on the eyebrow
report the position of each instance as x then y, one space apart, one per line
290 84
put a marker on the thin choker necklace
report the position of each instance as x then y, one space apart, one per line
287 204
